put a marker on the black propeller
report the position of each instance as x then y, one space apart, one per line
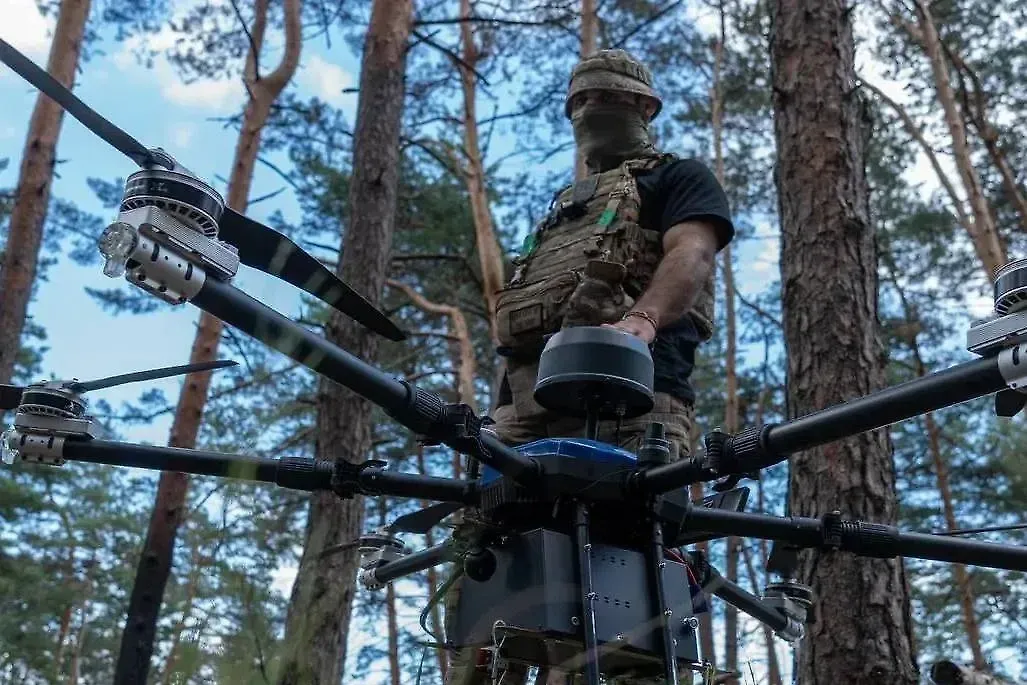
423 520
11 395
259 246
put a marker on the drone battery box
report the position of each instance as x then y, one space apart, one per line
533 603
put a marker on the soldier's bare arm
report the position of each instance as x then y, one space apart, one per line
689 253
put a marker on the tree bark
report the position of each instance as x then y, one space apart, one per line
987 242
32 195
864 632
490 253
318 619
589 30
155 562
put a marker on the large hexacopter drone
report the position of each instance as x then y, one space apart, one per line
574 565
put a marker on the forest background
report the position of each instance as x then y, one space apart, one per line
945 169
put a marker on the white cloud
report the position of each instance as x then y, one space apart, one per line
204 94
181 135
216 96
327 81
25 29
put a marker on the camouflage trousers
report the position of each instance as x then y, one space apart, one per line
523 421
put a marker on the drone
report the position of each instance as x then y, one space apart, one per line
574 566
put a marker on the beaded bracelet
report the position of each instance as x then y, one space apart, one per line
642 315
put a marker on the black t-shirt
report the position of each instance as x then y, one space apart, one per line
682 190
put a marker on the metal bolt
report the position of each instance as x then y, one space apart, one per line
575 621
592 595
668 612
620 636
675 642
662 564
588 546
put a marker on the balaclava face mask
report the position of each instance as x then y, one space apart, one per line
609 133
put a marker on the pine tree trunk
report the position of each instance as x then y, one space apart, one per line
155 563
589 29
864 633
987 242
962 578
773 668
318 619
187 610
731 354
490 254
433 576
966 593
32 196
978 112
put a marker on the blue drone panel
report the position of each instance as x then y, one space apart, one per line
573 448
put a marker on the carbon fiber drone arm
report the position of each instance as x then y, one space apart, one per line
419 410
764 446
297 473
877 540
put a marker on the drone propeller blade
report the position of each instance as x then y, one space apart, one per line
1008 403
150 375
259 246
423 520
57 92
10 396
269 251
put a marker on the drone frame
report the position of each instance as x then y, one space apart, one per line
1001 369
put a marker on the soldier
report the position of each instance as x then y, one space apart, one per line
632 246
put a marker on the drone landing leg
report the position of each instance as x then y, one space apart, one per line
588 595
661 610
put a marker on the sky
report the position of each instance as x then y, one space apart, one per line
157 108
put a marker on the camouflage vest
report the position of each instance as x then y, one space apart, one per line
585 263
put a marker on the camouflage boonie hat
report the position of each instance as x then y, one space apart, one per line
611 70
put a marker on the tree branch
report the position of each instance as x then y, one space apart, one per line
254 50
457 59
914 130
277 79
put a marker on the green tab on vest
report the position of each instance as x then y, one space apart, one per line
606 218
529 244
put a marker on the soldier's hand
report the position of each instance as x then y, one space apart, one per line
636 326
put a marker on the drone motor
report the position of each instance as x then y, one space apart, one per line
1008 325
166 235
49 412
